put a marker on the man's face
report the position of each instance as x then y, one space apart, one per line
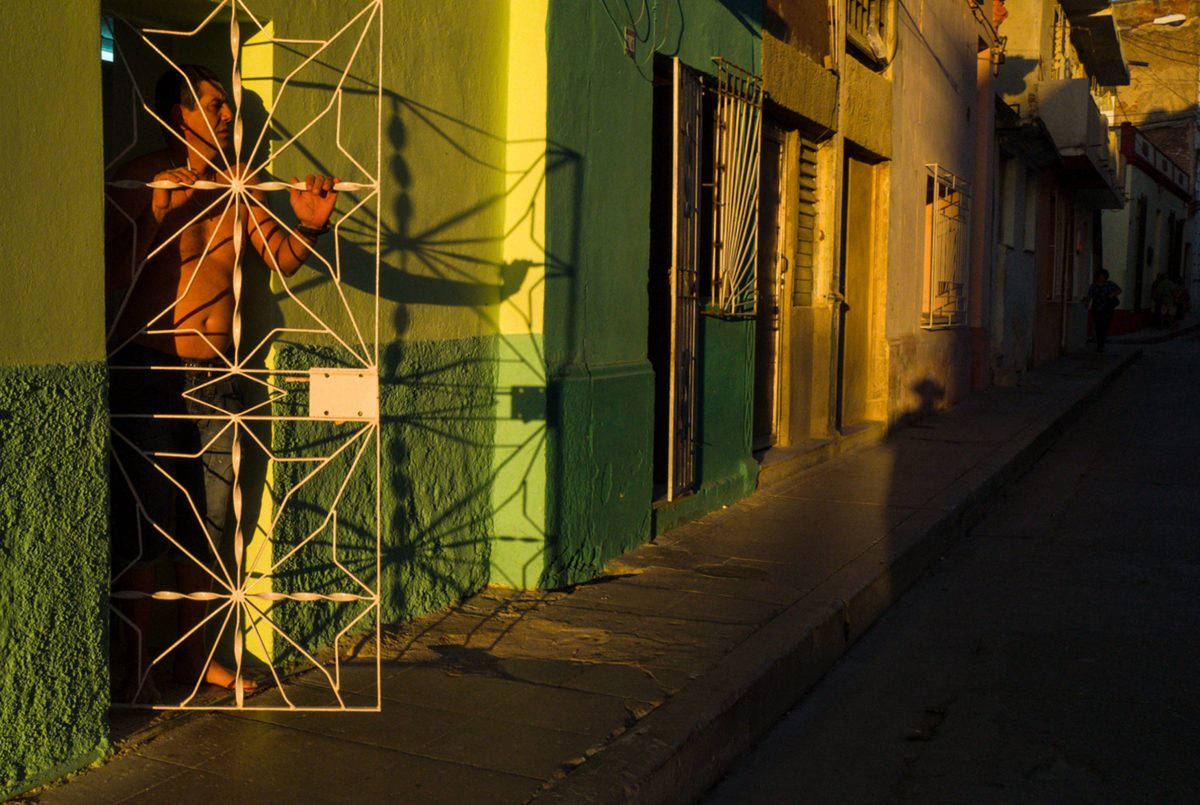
212 116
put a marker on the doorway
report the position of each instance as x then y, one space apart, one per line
1052 261
677 221
771 276
1139 259
245 447
854 294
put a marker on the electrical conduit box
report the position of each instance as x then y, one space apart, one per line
343 394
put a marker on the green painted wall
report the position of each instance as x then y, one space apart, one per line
53 570
443 277
601 393
518 540
53 432
49 258
436 406
726 468
599 131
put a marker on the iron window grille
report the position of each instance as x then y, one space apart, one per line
947 199
866 27
737 149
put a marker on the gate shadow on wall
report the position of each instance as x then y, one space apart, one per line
440 400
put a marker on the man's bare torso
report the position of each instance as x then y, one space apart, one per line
187 286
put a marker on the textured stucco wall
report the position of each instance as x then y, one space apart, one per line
798 84
53 571
436 403
53 493
599 122
1166 86
1029 28
867 116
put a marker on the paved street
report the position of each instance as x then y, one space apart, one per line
1052 655
645 684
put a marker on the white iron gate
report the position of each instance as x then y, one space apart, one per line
299 572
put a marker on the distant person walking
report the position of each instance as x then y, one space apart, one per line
1168 295
1103 296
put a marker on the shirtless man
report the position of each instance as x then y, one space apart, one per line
179 314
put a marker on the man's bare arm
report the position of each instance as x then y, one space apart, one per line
280 249
140 212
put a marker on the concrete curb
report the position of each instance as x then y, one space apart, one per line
680 750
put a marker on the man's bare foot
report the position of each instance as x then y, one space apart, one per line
216 674
147 694
222 677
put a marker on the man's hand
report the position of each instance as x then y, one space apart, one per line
314 204
165 201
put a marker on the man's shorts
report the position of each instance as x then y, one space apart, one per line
164 503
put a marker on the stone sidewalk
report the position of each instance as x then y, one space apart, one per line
644 684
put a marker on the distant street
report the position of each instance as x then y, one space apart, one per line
1053 656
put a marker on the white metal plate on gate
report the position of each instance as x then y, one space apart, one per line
343 394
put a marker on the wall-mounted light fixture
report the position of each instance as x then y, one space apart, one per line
1171 19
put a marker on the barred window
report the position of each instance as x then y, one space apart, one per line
737 153
866 27
944 302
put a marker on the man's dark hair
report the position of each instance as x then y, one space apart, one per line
172 88
1102 273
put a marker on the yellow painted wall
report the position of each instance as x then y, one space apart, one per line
518 494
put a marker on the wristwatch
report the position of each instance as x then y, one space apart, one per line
312 232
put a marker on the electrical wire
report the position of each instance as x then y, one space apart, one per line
1165 85
1154 41
666 26
982 18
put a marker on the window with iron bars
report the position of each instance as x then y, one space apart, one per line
736 150
866 27
944 301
